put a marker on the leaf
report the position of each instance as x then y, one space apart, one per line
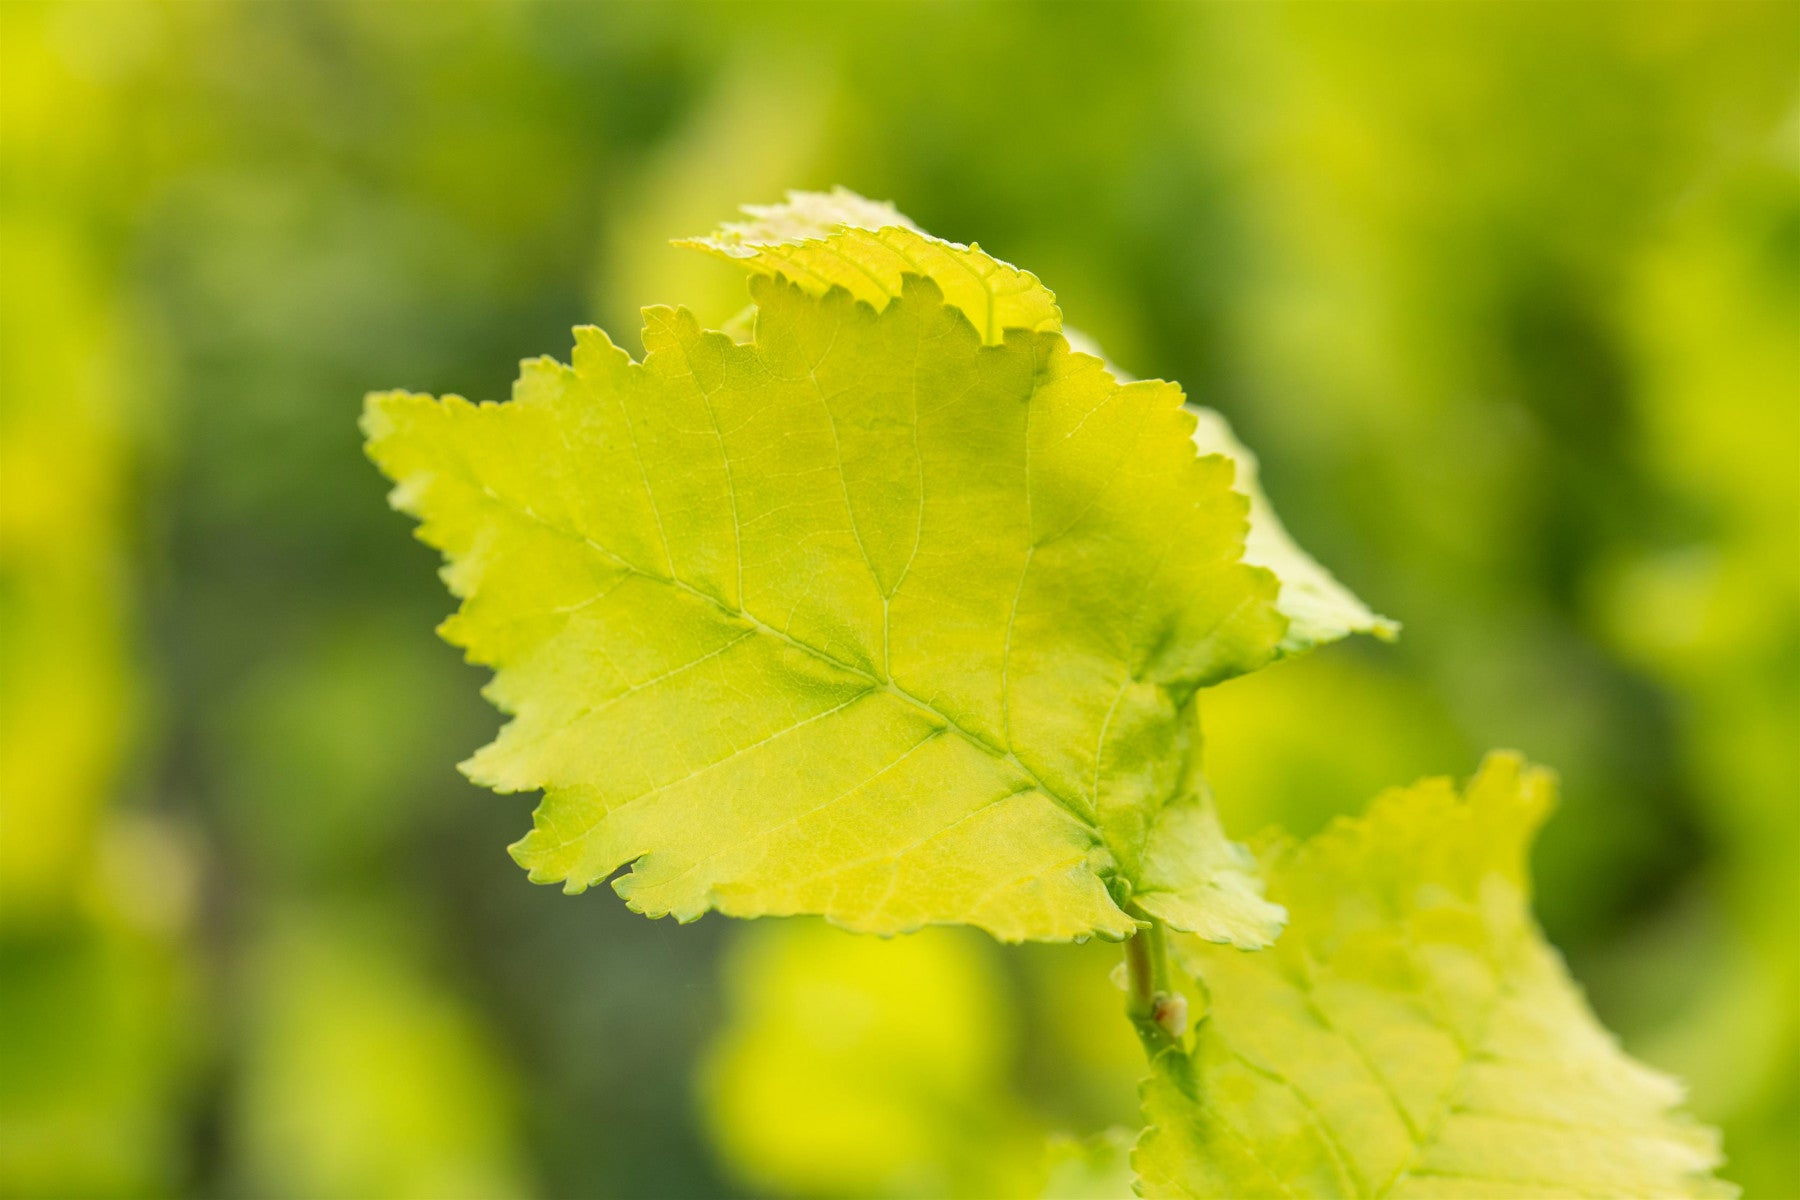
1195 879
1319 609
1412 1034
822 240
866 617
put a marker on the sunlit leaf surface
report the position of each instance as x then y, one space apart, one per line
865 617
821 240
1412 1034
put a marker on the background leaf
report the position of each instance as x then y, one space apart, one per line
852 1066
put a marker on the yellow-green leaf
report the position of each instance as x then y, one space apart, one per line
1412 1034
820 240
866 617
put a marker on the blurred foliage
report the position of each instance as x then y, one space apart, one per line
1506 298
1089 1168
429 1116
860 1067
853 1066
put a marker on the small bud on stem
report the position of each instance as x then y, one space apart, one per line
1158 1012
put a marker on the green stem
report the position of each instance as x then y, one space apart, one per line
1148 990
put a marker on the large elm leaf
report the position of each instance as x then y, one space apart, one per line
866 617
1412 1034
820 240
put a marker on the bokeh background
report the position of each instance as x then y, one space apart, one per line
1506 296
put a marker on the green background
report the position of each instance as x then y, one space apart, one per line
1506 297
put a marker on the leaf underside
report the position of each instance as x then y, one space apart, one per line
1319 609
1412 1034
892 611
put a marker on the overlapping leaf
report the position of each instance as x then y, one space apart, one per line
821 240
867 617
1412 1034
1319 609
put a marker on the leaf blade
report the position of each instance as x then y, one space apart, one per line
820 240
960 592
1412 1034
